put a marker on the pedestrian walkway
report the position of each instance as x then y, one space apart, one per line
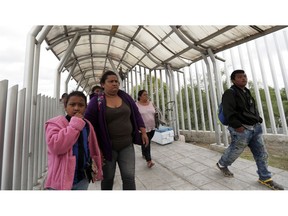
184 166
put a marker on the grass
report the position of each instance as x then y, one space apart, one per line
275 159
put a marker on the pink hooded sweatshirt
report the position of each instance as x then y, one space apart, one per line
61 135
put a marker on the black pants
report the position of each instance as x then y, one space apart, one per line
146 151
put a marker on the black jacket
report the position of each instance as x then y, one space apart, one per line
239 107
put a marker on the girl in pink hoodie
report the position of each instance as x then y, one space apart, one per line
74 157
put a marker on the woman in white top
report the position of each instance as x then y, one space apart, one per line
147 112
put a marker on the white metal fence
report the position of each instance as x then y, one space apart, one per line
23 157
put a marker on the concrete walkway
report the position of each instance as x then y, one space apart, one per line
184 166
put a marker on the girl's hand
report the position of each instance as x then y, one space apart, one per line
79 115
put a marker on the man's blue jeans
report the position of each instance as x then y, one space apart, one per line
126 162
254 140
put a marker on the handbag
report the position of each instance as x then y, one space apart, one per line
157 122
157 117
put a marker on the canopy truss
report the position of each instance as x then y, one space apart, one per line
87 51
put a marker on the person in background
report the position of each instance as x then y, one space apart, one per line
62 101
147 110
72 148
64 98
117 121
95 90
244 125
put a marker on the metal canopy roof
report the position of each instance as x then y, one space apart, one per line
94 49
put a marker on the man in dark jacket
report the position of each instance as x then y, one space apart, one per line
244 125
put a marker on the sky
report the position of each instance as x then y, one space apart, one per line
12 59
17 19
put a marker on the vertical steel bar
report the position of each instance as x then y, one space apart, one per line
9 139
187 100
18 140
276 89
3 103
266 88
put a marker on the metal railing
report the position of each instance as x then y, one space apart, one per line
23 162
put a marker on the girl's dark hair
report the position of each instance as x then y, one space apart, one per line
105 76
140 93
232 77
76 93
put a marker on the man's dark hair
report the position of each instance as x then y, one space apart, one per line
236 72
76 93
105 76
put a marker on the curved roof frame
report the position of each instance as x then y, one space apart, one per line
101 48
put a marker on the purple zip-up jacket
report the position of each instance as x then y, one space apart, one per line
95 113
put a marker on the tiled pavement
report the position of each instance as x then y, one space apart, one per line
184 166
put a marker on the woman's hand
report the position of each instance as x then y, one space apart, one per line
145 139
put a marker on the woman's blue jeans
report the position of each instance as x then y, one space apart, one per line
126 162
254 140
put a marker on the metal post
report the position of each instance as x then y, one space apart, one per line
18 141
193 99
28 84
255 81
213 100
156 89
266 88
173 98
200 98
180 103
277 90
162 93
187 101
9 139
207 96
282 65
3 102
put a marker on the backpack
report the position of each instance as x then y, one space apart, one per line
220 112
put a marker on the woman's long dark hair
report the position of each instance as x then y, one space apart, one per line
140 93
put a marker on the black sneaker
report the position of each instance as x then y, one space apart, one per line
271 184
226 172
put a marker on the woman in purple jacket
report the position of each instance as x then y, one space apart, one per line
117 123
73 151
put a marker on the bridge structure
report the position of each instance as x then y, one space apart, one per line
185 70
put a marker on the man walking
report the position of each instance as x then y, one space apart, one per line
244 125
